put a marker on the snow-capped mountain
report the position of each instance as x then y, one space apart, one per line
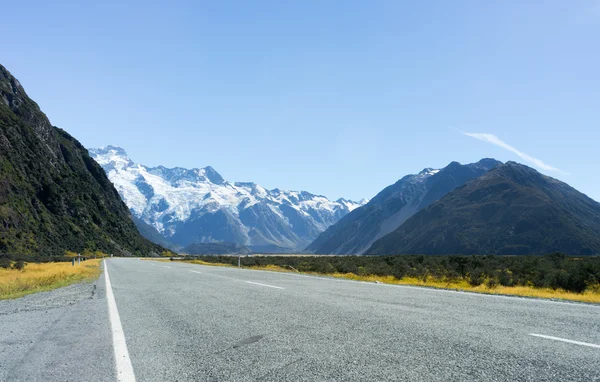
389 209
198 205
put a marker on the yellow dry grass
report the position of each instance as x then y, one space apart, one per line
45 276
207 263
200 262
590 295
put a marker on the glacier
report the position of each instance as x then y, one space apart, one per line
197 205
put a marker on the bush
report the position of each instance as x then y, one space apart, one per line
346 267
491 283
552 271
19 265
5 263
575 280
556 258
304 266
323 267
505 278
380 269
399 270
476 277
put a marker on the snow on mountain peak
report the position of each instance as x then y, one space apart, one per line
351 204
199 205
111 156
428 172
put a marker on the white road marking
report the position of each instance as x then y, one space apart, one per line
196 272
265 285
166 266
428 289
123 362
565 340
420 288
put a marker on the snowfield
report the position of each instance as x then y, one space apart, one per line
206 207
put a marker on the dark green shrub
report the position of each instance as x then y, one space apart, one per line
380 269
491 283
399 270
346 266
459 264
452 275
556 258
305 266
476 277
552 271
19 265
323 267
5 263
575 280
505 278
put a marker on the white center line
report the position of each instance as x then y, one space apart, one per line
265 285
196 272
123 362
565 340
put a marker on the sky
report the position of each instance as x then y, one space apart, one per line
339 98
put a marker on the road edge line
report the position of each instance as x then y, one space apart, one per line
122 360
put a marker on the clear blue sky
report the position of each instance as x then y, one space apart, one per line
339 98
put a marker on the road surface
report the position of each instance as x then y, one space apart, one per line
182 322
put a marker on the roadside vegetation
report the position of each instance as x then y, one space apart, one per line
87 254
19 278
551 276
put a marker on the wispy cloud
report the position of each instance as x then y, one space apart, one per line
491 138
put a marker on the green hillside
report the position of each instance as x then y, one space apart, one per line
53 196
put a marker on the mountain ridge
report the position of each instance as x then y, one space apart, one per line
355 232
199 205
511 210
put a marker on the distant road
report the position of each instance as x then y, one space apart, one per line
185 322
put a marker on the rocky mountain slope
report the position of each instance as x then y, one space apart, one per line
53 196
511 210
150 233
355 233
197 205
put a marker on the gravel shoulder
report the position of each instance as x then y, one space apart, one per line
59 335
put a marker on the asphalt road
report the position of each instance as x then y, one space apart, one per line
184 322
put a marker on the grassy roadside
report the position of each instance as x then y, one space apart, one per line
589 296
45 276
522 291
200 262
